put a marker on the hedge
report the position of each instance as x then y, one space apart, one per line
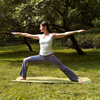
88 39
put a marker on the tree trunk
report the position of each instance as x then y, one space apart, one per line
75 45
29 46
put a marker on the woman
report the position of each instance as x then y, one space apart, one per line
46 53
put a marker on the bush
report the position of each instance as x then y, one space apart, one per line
96 41
89 39
85 41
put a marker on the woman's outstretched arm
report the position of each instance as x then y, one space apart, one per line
61 35
27 35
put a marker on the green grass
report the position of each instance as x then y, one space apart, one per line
11 58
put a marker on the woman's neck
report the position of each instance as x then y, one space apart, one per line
46 33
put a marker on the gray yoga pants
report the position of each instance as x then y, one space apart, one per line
52 60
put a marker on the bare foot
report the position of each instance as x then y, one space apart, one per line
79 80
21 79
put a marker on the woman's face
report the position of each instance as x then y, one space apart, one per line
42 29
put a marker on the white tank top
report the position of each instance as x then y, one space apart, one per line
45 45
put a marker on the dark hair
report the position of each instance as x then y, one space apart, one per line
47 25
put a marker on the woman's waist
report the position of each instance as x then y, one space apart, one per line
46 53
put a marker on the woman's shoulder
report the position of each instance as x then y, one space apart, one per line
39 35
53 34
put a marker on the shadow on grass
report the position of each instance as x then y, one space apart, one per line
17 54
71 59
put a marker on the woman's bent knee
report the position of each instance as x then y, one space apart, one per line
25 60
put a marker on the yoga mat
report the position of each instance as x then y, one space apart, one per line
51 80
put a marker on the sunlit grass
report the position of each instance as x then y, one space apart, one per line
88 65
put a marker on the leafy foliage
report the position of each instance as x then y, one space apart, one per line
62 15
96 42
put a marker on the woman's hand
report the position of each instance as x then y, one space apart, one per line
15 33
80 31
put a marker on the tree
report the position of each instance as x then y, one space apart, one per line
24 17
17 16
67 15
60 15
63 15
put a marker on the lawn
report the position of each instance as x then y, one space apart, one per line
88 65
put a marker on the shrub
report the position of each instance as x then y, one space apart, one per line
96 41
89 38
85 41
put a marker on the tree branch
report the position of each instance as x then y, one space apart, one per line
58 11
58 29
57 26
72 20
